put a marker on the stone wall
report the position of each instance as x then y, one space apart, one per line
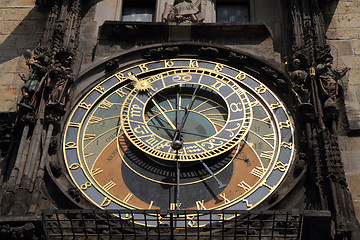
343 21
21 27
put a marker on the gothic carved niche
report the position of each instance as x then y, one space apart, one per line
185 11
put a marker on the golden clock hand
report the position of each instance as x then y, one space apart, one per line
135 79
162 112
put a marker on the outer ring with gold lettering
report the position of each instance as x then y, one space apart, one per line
91 138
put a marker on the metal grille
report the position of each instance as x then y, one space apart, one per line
127 224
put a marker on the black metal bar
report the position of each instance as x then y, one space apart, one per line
146 227
59 225
84 225
96 224
299 229
198 225
260 231
121 225
248 226
186 225
273 226
211 225
108 223
158 225
286 224
172 225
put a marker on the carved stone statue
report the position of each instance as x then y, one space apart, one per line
185 11
60 77
33 83
329 77
298 80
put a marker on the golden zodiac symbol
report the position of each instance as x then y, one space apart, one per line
231 130
163 145
141 129
211 143
236 107
182 78
135 110
281 166
74 166
192 149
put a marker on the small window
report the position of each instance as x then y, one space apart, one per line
232 12
138 11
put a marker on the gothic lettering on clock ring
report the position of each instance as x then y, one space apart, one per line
207 103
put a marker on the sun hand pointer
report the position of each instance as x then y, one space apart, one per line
162 112
144 85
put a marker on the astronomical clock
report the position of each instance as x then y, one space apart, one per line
178 134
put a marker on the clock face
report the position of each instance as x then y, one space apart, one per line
226 133
208 114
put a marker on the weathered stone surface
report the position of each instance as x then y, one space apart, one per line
344 61
9 92
348 143
7 78
353 180
351 160
347 7
13 66
17 27
12 14
342 33
354 75
7 27
345 21
16 3
352 100
356 46
355 65
9 105
343 47
3 38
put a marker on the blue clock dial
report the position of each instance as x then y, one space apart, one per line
184 134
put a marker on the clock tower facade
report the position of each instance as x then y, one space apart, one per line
179 119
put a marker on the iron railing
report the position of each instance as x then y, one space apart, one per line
150 224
